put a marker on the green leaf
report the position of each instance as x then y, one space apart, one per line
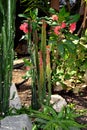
61 114
53 123
70 45
72 123
34 127
84 66
41 115
52 111
63 14
23 15
73 18
27 62
52 11
61 49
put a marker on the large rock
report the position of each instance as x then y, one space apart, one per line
14 98
74 128
19 122
58 87
58 102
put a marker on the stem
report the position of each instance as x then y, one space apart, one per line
6 53
43 49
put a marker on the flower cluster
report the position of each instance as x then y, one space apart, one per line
24 27
54 17
72 27
57 29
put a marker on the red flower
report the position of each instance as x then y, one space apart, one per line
24 27
57 30
63 25
72 27
54 17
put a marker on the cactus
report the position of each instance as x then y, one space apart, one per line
42 66
48 72
40 69
7 26
39 61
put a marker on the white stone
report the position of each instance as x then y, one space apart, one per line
18 122
58 86
74 128
58 102
14 100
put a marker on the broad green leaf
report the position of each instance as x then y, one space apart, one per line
73 18
70 45
61 49
23 15
52 111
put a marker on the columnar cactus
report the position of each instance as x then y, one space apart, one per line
7 19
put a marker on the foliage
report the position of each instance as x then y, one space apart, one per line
30 5
7 15
22 110
47 45
64 44
48 118
38 60
82 51
75 64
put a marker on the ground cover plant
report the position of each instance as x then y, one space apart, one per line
47 118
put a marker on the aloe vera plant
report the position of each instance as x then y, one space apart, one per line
7 26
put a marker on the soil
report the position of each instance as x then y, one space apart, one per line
24 91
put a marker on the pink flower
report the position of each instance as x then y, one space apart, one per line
63 25
72 27
57 30
54 17
24 27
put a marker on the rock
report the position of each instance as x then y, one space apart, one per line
58 87
58 102
19 122
14 98
74 128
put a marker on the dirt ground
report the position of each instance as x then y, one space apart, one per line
24 91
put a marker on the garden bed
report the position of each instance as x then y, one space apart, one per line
24 91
